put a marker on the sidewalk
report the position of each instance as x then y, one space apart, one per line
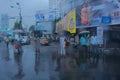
75 67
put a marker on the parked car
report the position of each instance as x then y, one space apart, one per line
44 41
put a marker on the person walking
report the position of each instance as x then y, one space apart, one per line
83 42
88 46
62 46
7 42
37 43
94 48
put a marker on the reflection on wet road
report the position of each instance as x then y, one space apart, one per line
47 65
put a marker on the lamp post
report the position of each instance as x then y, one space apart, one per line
20 15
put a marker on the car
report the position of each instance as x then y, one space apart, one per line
25 40
44 41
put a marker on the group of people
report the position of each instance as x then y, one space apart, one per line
90 44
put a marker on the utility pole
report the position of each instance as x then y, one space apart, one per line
20 22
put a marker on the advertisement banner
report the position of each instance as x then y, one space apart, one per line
64 23
59 26
100 35
113 9
89 14
39 16
51 16
71 21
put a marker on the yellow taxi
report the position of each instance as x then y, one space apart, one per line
44 41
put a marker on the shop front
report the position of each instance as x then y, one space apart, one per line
113 31
88 18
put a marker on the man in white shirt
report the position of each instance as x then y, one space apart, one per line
94 46
93 40
62 46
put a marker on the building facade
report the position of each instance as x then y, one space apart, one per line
100 17
4 21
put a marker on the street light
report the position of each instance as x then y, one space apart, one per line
19 7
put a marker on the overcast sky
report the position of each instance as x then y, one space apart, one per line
29 7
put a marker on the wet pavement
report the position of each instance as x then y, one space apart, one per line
47 65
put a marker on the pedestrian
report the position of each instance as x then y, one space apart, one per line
12 40
88 45
83 42
20 46
94 48
37 43
7 41
62 46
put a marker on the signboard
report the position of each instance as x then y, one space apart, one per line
100 35
64 23
113 8
51 16
59 26
106 19
71 21
39 17
89 14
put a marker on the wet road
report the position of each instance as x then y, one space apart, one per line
45 66
28 66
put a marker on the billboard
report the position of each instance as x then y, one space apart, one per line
39 16
71 21
59 26
100 35
113 7
89 14
64 23
51 16
67 23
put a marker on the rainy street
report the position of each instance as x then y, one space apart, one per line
59 39
29 65
46 66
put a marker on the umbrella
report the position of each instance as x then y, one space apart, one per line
18 31
84 32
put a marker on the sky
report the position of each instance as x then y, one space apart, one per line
29 8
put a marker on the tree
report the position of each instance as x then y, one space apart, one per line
16 25
32 28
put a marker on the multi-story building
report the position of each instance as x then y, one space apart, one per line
54 8
4 21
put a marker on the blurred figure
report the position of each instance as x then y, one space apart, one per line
37 63
88 46
94 46
18 61
83 42
12 40
62 46
7 41
7 56
17 47
37 43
